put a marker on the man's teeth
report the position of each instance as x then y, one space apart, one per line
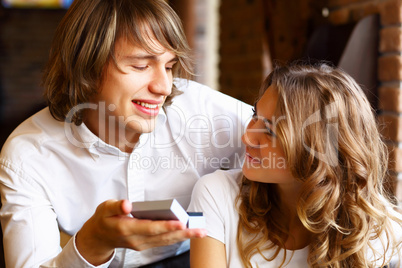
147 105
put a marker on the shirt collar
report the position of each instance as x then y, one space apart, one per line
82 137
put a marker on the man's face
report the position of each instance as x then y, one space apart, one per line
132 96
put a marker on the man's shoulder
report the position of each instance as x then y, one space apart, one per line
195 92
201 99
30 135
189 86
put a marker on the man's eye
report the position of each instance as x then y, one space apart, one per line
140 68
170 66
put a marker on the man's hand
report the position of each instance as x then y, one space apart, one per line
111 227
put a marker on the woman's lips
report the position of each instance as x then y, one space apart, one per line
252 159
148 107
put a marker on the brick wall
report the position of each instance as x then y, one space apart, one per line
390 89
389 71
286 25
246 26
241 48
255 33
25 37
199 17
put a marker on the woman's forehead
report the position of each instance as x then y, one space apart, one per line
267 103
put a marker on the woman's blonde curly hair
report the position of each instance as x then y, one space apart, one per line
332 144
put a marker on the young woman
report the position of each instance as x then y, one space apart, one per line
310 193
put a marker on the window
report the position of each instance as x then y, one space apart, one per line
36 3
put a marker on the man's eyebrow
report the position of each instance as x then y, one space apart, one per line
175 59
147 57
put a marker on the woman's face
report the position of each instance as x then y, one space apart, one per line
265 159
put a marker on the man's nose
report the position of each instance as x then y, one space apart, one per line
161 83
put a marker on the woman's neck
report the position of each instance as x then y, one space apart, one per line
288 195
299 237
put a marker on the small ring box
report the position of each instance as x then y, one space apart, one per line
167 210
196 220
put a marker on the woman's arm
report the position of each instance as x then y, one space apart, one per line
207 252
214 195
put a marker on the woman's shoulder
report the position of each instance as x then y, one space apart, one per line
396 223
222 178
218 183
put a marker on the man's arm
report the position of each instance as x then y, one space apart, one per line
30 228
111 227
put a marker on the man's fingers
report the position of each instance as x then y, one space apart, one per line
111 224
149 228
172 238
114 207
126 207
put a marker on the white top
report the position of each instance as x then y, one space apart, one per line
54 174
215 195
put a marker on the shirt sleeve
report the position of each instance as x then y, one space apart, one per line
70 257
31 235
214 195
204 200
379 245
396 260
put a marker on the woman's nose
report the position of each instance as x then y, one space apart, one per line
250 138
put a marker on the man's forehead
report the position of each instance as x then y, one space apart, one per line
123 46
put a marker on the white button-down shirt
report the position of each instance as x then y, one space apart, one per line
54 174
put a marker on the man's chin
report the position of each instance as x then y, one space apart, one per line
140 125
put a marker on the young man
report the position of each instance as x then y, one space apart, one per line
113 134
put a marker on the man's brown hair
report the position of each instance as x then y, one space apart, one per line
84 42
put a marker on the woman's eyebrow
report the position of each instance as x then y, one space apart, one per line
268 123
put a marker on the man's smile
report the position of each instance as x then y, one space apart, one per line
148 107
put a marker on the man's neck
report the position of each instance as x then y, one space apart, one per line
116 136
126 142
